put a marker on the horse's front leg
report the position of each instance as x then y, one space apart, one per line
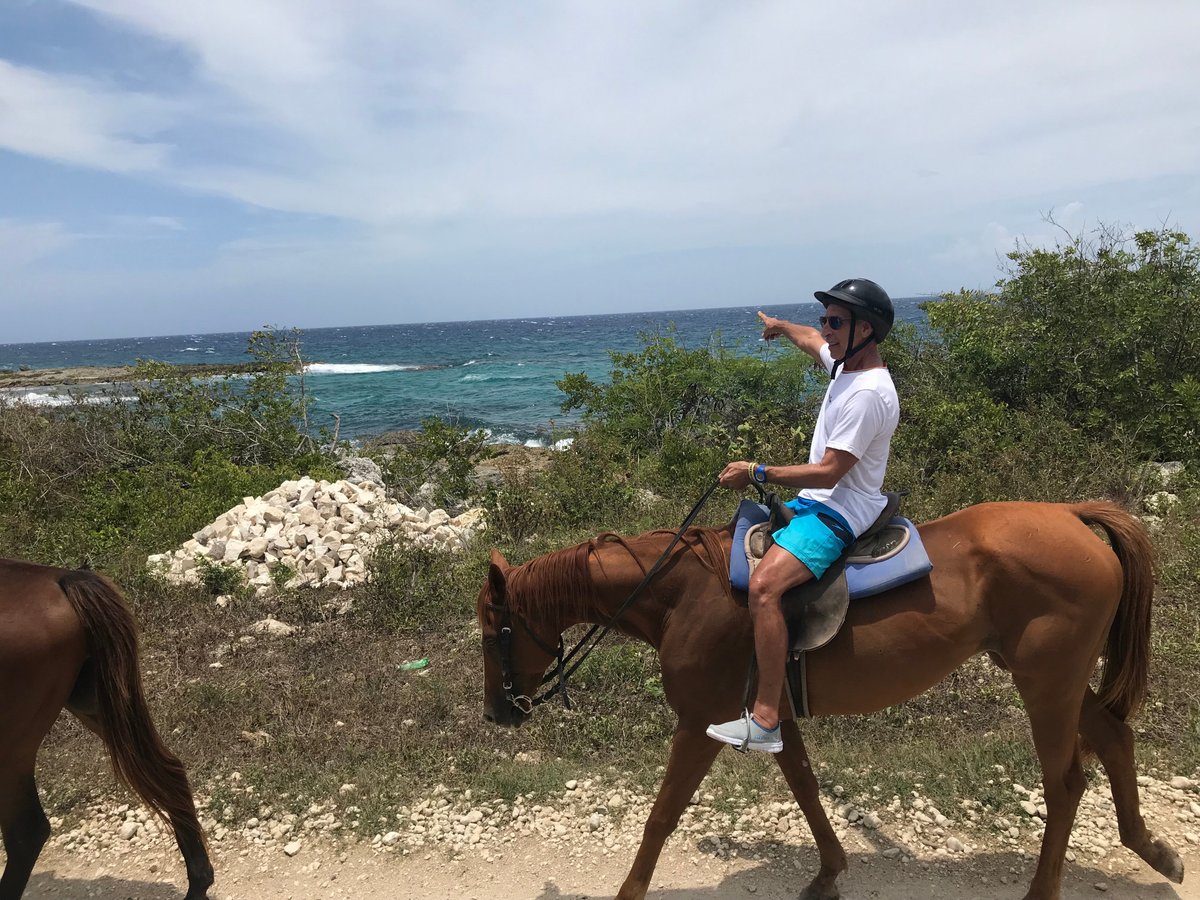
793 761
692 754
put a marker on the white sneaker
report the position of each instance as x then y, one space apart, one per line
746 734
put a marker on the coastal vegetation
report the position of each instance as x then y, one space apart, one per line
1075 378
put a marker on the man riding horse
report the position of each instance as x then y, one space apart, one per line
1044 609
840 485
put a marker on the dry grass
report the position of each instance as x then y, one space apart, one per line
330 706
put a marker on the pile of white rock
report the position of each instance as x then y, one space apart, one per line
321 531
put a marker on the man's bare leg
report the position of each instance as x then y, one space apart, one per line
778 573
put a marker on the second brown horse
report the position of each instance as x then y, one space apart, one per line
68 640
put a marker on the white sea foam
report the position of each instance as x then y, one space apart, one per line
34 398
533 443
354 368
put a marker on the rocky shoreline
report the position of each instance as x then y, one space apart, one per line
77 375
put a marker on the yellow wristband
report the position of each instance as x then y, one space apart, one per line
750 469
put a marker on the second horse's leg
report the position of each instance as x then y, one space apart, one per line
692 755
24 826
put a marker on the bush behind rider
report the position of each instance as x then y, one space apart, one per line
840 487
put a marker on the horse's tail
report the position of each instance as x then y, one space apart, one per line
139 757
1127 653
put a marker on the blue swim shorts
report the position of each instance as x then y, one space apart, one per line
810 540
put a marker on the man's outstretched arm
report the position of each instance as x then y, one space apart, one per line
805 337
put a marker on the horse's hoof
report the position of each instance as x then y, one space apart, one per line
818 891
1172 868
1163 859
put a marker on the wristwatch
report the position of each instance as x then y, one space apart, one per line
759 474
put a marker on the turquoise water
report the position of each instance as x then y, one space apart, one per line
499 375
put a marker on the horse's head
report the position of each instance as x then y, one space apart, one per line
515 655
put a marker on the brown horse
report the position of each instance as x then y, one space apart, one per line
1030 584
67 639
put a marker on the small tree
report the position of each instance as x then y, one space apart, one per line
1104 327
691 410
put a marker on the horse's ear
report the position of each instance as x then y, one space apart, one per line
497 574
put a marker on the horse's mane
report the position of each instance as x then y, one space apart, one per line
705 543
557 587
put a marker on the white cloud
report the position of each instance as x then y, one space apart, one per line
23 243
143 225
992 244
74 121
995 241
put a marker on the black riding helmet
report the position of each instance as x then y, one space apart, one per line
866 300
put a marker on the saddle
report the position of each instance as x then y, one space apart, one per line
886 555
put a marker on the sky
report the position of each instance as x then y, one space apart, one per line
187 166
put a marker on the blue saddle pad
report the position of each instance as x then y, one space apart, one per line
911 563
748 515
862 579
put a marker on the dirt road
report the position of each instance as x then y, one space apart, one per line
527 868
580 843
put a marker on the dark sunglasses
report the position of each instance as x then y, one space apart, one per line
834 322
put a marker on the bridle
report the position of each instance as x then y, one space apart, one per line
504 636
503 641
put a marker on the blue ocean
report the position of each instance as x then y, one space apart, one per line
497 375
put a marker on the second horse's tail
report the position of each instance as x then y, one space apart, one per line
139 757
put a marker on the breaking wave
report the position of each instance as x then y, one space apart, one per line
357 368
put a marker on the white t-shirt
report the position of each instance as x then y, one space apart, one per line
859 415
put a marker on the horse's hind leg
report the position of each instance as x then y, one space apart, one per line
692 755
1054 719
793 761
25 828
1112 740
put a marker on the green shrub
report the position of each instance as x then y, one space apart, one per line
442 454
259 420
219 578
413 588
1104 326
281 574
679 414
